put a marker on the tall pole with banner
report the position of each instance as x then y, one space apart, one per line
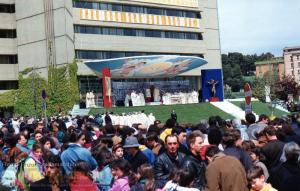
248 94
106 84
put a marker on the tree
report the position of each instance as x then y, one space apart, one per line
286 86
61 87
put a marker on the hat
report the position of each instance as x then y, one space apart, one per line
131 142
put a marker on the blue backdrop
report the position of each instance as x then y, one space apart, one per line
206 76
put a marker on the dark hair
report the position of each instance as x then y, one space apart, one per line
254 172
146 172
191 138
269 130
170 123
214 136
177 130
212 151
45 139
10 140
75 136
115 147
121 164
231 136
262 117
184 177
250 118
80 166
54 159
248 146
103 156
36 146
212 121
171 136
152 136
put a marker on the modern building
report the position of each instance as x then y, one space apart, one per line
292 62
38 33
273 66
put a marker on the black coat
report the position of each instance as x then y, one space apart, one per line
45 185
164 165
138 160
196 166
285 177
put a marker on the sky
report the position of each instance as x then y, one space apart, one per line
259 26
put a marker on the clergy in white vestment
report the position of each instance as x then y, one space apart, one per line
142 99
87 100
133 96
195 96
189 98
92 99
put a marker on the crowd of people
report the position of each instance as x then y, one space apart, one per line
80 153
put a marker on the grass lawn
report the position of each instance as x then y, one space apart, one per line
261 108
188 113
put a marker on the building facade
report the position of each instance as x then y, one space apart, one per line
292 62
274 66
38 33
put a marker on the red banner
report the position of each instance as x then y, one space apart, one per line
106 84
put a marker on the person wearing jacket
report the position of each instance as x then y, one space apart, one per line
76 152
121 170
53 178
33 168
193 162
168 161
80 178
224 173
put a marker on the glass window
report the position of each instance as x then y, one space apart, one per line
7 8
6 33
103 6
140 32
155 11
95 5
190 14
8 59
117 54
129 32
116 7
105 30
152 33
175 13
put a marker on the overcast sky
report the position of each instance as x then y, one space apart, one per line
257 26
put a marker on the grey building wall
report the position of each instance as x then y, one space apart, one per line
45 33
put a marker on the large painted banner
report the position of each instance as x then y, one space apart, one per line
157 66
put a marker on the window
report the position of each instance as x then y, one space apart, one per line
299 64
8 85
137 32
292 65
6 33
155 11
89 54
8 59
135 9
116 7
7 8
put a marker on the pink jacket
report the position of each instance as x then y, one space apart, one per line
121 184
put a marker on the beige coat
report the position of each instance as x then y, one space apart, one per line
225 173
